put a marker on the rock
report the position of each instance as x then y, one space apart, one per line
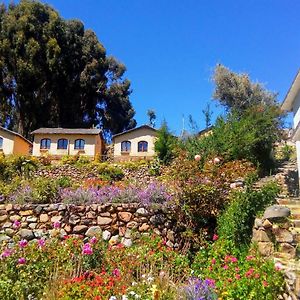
32 225
132 225
283 236
258 223
94 231
38 233
9 207
68 228
288 249
127 234
44 218
265 248
142 212
91 215
170 236
26 234
10 232
105 214
260 236
56 219
170 244
31 219
26 213
126 242
144 227
276 212
267 224
38 209
3 218
103 220
125 216
122 231
106 235
14 218
74 219
78 229
4 238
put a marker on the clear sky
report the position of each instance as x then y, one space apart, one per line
170 47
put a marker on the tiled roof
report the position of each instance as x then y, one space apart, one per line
67 131
133 129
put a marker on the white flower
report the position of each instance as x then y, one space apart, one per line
216 160
197 157
132 293
113 298
150 279
143 276
134 283
124 297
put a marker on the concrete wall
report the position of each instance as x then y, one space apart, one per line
13 144
142 134
91 147
296 109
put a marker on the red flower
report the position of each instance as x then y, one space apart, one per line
215 237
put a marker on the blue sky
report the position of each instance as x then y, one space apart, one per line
170 47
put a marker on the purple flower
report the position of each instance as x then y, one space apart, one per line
23 243
93 240
87 249
41 243
56 225
16 224
22 261
6 253
198 289
116 272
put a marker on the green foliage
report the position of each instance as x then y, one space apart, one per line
248 137
236 222
109 171
238 274
152 117
53 65
165 144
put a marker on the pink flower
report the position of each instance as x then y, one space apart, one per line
225 267
93 240
16 224
256 275
56 225
116 272
249 257
234 259
278 266
249 273
238 276
213 261
210 282
6 253
265 283
215 237
23 243
41 243
87 249
197 157
22 261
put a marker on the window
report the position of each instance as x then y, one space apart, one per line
45 143
79 144
142 146
125 146
1 142
62 144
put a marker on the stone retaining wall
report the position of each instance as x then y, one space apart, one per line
114 222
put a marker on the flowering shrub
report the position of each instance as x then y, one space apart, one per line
238 275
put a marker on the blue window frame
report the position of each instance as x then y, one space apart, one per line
62 144
125 146
1 142
45 144
142 146
79 144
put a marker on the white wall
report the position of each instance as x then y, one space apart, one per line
142 134
8 142
89 147
296 109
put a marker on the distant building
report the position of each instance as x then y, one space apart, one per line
136 143
291 103
13 143
65 141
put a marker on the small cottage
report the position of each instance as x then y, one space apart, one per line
136 143
291 103
13 143
58 142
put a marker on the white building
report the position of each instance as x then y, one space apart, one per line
291 103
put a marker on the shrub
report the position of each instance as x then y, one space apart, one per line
109 171
236 222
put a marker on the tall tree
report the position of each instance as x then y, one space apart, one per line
53 72
152 117
237 92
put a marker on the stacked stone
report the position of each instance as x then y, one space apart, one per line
275 237
114 222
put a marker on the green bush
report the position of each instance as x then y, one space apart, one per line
109 171
236 222
250 136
